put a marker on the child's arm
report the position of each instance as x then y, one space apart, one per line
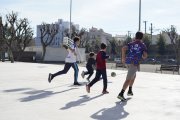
144 56
104 56
124 53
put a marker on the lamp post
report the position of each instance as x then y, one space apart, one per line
70 19
139 15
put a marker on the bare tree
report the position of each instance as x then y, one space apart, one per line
16 33
83 34
9 33
175 40
2 42
113 45
47 34
161 44
24 35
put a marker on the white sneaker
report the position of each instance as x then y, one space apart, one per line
82 74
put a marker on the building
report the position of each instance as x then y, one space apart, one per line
155 38
120 39
99 34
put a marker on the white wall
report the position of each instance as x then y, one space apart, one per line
55 54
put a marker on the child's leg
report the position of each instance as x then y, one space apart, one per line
132 81
130 76
91 71
76 70
104 76
64 71
87 72
97 77
130 93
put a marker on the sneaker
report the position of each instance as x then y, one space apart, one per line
121 97
88 79
76 83
105 92
50 78
130 93
87 89
82 74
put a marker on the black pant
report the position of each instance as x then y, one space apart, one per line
90 72
97 78
67 66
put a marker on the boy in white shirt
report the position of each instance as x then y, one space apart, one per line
70 61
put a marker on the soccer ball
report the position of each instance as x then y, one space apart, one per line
113 74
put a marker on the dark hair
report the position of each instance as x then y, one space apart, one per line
139 35
91 54
76 39
103 46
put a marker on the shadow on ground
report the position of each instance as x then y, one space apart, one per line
79 102
37 94
114 113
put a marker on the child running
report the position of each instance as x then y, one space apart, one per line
136 52
70 61
90 66
100 69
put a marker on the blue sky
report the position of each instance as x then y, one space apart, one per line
113 16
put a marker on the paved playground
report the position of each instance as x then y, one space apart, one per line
25 94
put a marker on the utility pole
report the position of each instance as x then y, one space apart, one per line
139 15
151 32
145 26
70 25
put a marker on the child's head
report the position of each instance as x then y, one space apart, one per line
76 40
139 35
91 54
103 46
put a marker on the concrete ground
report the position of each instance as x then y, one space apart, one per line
25 94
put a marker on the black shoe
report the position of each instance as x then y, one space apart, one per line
76 83
105 92
121 97
130 93
50 78
88 79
